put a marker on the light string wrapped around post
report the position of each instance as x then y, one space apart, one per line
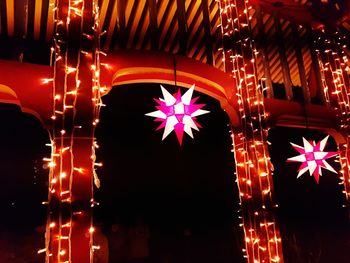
97 92
334 69
75 56
253 166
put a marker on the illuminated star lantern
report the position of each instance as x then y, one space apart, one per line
178 113
313 158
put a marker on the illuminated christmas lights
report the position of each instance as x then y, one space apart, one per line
73 145
334 68
253 166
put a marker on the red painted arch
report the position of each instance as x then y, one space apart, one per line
24 84
127 67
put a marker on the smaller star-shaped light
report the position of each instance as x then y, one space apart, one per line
177 113
313 158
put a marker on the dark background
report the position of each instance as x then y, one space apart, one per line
314 224
174 189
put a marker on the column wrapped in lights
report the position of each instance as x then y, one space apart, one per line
335 70
253 166
76 106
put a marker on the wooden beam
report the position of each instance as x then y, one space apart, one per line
300 62
166 21
37 18
284 62
103 12
315 66
112 24
168 40
153 23
197 46
3 28
29 11
122 24
262 41
43 20
139 29
182 31
144 41
21 18
50 21
132 17
194 18
207 32
10 7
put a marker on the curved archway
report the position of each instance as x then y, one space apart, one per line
128 67
156 67
26 85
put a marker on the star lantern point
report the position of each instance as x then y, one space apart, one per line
313 158
177 113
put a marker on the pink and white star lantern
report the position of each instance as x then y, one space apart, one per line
177 113
313 158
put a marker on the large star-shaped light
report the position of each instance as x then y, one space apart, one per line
313 158
178 113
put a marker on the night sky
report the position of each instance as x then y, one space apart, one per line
172 188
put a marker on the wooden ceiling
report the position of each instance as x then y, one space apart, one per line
187 27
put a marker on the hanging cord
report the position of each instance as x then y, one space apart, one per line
305 114
174 64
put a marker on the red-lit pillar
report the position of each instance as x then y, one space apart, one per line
253 167
76 104
334 70
70 217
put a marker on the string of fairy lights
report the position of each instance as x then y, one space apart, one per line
334 69
67 63
253 166
97 92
